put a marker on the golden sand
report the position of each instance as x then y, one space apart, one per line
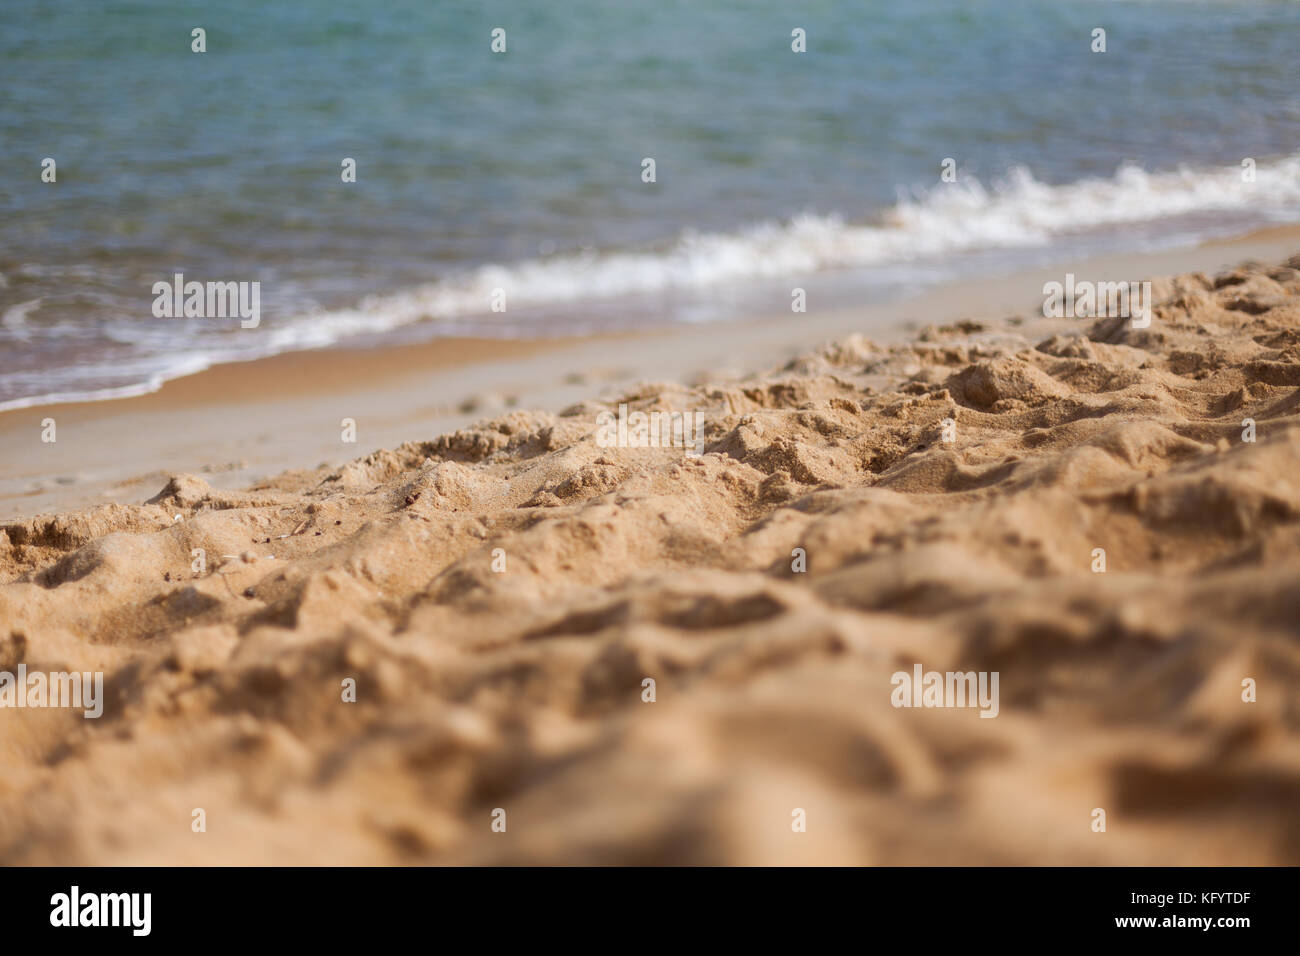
499 596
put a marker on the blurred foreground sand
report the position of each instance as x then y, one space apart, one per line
521 689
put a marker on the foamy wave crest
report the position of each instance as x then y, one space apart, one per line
961 217
1023 211
925 231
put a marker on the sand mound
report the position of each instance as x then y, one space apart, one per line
500 595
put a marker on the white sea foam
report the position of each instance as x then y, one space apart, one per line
918 232
1018 211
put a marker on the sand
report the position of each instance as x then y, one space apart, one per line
497 596
242 423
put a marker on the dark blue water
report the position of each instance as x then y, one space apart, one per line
522 171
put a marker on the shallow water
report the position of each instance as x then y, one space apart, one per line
522 171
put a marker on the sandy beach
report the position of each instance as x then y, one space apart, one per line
244 422
478 634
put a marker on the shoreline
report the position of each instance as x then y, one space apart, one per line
118 449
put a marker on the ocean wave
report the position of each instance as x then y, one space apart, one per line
918 234
966 216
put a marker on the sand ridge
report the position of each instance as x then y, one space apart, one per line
521 689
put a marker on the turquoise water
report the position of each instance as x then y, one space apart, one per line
522 170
